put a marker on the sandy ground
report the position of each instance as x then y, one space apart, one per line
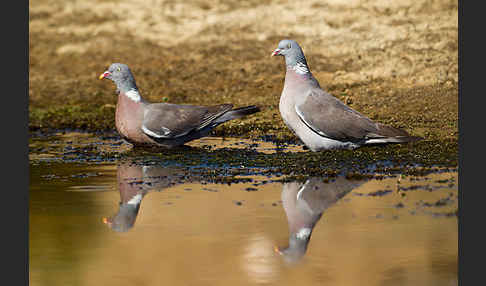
395 61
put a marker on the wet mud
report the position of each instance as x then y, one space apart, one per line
223 160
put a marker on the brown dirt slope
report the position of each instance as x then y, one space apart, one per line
395 61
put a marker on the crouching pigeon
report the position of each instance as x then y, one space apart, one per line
163 124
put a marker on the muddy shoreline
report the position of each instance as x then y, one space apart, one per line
229 160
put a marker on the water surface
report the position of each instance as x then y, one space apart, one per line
125 223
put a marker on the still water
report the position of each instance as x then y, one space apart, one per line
120 223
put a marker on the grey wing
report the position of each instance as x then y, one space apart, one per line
320 195
329 117
164 120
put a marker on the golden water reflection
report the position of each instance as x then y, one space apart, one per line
377 232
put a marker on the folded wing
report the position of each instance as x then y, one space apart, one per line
329 117
164 120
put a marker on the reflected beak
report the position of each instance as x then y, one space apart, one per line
105 74
276 52
105 220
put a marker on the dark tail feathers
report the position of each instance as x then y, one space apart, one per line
399 139
237 113
388 134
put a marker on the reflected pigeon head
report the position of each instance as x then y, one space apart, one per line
124 219
297 247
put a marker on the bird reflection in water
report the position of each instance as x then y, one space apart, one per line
304 204
134 182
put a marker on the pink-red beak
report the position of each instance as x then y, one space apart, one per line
276 52
105 74
107 221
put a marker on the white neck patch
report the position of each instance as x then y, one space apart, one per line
300 68
303 233
134 95
135 200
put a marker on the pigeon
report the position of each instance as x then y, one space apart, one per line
134 183
166 125
304 204
319 119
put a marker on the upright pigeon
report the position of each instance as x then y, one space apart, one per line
321 120
163 124
304 204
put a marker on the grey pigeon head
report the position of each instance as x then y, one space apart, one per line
124 220
296 249
121 75
292 52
